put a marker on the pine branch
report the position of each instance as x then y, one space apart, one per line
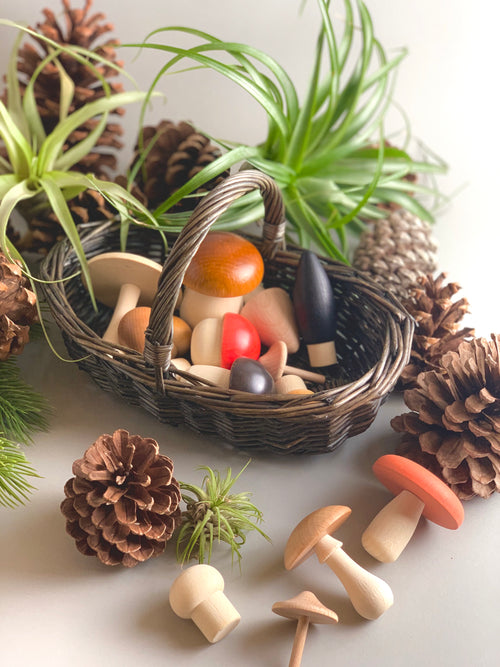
14 469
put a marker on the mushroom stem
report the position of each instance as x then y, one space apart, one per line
127 299
299 641
370 595
392 528
216 617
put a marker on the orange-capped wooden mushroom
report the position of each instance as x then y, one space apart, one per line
370 595
224 269
133 325
417 492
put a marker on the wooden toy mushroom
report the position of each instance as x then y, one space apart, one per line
123 280
271 312
418 492
225 267
370 595
218 342
291 384
315 310
249 375
132 329
197 593
275 362
306 609
214 374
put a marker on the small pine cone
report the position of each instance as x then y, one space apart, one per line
395 250
122 505
17 308
437 321
454 427
80 28
178 153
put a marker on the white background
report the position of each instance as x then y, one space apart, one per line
57 607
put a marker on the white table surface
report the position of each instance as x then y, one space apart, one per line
58 607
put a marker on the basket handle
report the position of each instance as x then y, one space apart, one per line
158 345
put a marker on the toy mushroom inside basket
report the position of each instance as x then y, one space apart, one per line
355 352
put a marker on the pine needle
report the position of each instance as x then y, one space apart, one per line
14 469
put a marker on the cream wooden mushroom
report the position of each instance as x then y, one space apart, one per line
197 593
123 280
306 609
370 595
224 269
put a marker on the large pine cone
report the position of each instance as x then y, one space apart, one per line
177 154
437 321
85 30
17 308
395 250
122 505
454 427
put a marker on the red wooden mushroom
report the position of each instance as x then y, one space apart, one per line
418 492
370 595
219 342
224 269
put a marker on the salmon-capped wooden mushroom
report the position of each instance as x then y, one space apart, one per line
275 361
197 593
370 595
417 492
225 268
271 312
123 280
305 608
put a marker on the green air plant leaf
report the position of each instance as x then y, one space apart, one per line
332 136
213 514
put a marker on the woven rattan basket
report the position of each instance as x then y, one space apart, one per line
373 337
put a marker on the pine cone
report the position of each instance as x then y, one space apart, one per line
454 429
179 152
123 503
437 319
17 309
81 29
395 250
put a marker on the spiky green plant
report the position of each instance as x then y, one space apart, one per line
213 514
327 153
37 164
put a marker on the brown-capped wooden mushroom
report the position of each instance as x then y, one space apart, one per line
123 280
197 593
225 267
305 608
132 331
417 492
370 595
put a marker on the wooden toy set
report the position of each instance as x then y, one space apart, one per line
350 362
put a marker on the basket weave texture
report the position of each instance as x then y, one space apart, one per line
373 341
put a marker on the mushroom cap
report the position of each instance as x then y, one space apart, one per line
274 360
305 604
397 474
310 530
192 587
225 265
109 271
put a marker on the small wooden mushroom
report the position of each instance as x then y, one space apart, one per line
249 375
291 384
275 362
315 310
370 595
271 312
224 269
418 492
214 374
219 342
123 280
132 331
305 608
197 593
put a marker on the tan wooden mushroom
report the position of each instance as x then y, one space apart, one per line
123 280
370 595
306 609
197 593
225 268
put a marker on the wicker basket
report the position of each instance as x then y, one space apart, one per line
373 337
